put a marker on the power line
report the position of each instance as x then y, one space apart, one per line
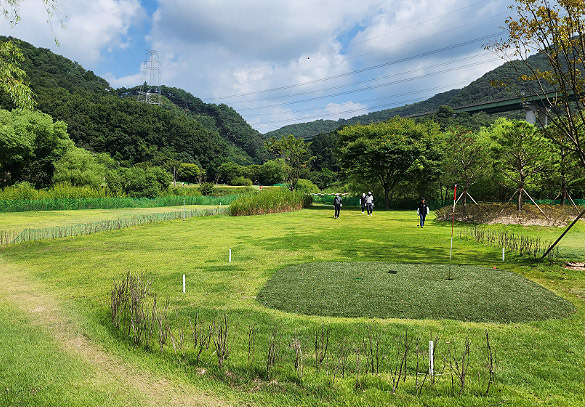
362 89
450 86
366 69
376 78
401 103
374 37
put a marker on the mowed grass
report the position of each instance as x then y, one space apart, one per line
538 362
17 221
418 291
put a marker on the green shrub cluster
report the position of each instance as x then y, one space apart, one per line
241 181
25 191
270 201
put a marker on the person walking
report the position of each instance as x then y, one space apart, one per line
337 205
363 202
370 203
422 211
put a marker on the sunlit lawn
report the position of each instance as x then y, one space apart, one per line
538 363
17 221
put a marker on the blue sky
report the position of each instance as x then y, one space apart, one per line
277 62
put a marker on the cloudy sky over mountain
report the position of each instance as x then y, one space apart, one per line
277 62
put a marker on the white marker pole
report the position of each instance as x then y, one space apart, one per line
503 254
183 283
230 260
431 361
452 227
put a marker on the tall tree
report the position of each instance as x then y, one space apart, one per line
386 153
521 153
556 30
466 158
30 143
80 167
296 155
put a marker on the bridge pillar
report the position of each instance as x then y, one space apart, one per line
536 114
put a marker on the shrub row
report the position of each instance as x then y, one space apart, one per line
23 205
271 201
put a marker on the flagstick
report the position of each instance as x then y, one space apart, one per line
452 226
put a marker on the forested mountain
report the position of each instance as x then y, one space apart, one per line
480 90
102 119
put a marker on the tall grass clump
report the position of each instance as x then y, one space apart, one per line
273 201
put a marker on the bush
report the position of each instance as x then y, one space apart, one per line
241 181
206 188
181 190
22 190
271 201
306 187
145 182
65 190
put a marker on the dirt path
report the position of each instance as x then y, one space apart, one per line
45 312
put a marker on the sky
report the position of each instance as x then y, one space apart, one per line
275 62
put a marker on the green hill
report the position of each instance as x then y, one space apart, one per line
102 119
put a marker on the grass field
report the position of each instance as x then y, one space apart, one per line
17 221
418 291
537 362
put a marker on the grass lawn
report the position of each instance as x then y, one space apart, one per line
537 362
17 221
418 291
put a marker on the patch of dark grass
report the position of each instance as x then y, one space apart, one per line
418 291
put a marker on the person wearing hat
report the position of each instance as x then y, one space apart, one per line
422 211
370 203
337 205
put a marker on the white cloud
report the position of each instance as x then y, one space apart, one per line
257 29
90 27
128 81
274 56
335 111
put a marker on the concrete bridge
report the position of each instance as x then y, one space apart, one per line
535 107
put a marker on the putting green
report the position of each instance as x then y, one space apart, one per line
418 291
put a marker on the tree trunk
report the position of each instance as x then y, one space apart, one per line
564 188
387 197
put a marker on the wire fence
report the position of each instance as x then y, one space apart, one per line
55 232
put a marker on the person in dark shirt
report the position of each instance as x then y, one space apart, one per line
422 211
363 202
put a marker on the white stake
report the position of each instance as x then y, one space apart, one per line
431 361
183 283
503 253
230 256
